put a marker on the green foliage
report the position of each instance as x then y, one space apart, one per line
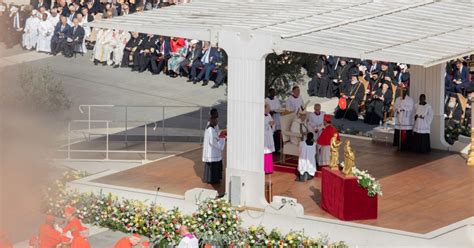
42 91
284 71
454 128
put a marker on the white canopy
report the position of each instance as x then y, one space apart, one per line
417 32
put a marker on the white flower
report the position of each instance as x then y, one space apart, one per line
209 232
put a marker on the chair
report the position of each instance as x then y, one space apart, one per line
288 148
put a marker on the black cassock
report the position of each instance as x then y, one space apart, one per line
318 86
129 50
342 76
352 110
376 107
213 172
146 59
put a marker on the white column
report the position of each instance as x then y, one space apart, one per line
430 81
245 116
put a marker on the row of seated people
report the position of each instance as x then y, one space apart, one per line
174 56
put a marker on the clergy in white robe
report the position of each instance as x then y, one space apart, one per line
45 33
269 145
213 146
103 48
188 240
294 101
275 108
404 114
54 17
30 35
307 158
299 126
316 120
421 128
120 42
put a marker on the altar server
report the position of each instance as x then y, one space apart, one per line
212 153
49 237
45 33
188 240
307 158
275 107
30 36
403 113
269 145
421 129
128 242
295 101
316 120
78 231
324 142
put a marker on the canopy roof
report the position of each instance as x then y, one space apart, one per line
417 32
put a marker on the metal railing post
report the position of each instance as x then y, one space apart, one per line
107 142
69 140
89 121
163 125
126 125
200 125
146 140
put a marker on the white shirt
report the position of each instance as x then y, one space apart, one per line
186 242
212 146
293 104
404 113
425 116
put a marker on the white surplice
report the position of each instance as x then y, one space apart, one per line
103 48
293 104
316 123
187 242
275 106
269 145
212 146
404 113
307 158
425 116
45 33
30 37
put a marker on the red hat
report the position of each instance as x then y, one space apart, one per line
69 210
327 118
145 244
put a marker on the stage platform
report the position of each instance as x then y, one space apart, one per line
421 193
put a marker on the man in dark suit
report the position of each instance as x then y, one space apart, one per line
194 50
209 60
16 26
221 66
460 77
163 55
58 40
75 37
40 3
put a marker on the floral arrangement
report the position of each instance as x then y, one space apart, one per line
215 222
366 181
454 128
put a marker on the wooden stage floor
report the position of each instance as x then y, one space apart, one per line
421 193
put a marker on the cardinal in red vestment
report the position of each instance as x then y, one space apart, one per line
49 237
77 230
128 242
324 142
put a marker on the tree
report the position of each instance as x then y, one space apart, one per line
42 91
284 71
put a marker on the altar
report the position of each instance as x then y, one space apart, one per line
343 198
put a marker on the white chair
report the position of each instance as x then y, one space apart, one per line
289 149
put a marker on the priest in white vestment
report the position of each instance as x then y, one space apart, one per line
316 120
213 146
45 33
30 35
120 42
103 48
188 240
54 17
269 145
403 113
294 101
421 129
307 158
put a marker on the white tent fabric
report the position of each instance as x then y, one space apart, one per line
418 32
